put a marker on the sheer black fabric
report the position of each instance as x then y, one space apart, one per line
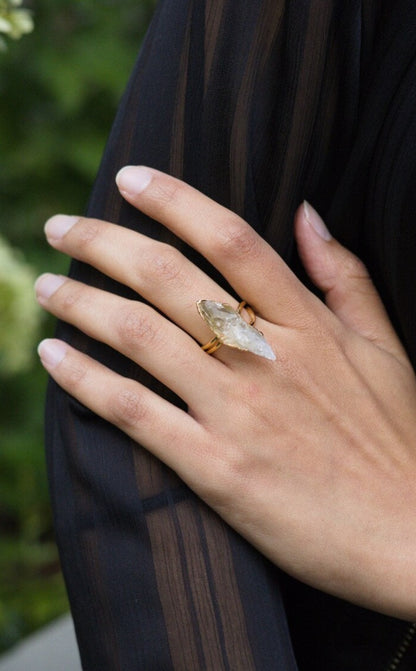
259 104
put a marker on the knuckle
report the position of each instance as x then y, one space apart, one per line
233 460
71 297
87 231
166 264
233 471
135 327
353 277
166 192
75 373
127 408
236 239
354 268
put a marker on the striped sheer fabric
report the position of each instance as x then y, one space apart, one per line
259 104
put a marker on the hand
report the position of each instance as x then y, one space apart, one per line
311 457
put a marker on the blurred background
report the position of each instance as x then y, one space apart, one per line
59 89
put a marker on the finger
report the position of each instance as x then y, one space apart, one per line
168 432
344 279
137 331
156 271
249 264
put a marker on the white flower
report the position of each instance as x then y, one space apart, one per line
19 313
5 25
21 22
14 22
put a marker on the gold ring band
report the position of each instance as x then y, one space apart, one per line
249 310
212 346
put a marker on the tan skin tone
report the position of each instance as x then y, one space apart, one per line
311 457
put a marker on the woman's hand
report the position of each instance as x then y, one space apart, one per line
311 457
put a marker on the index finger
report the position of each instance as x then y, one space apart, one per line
245 260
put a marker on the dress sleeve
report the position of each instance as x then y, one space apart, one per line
257 104
156 580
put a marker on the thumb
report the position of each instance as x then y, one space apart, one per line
343 278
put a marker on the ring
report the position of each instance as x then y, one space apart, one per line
231 329
215 342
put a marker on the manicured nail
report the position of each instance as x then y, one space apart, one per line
314 220
51 352
133 179
56 227
47 284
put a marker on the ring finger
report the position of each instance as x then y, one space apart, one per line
134 329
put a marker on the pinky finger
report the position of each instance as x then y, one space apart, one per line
162 428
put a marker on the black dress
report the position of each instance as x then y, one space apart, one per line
259 104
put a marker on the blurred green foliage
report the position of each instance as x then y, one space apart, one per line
59 89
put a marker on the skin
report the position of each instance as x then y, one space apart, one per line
311 457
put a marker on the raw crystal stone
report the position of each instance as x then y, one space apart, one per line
231 329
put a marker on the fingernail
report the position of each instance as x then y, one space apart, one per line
56 227
313 218
133 179
47 284
51 352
